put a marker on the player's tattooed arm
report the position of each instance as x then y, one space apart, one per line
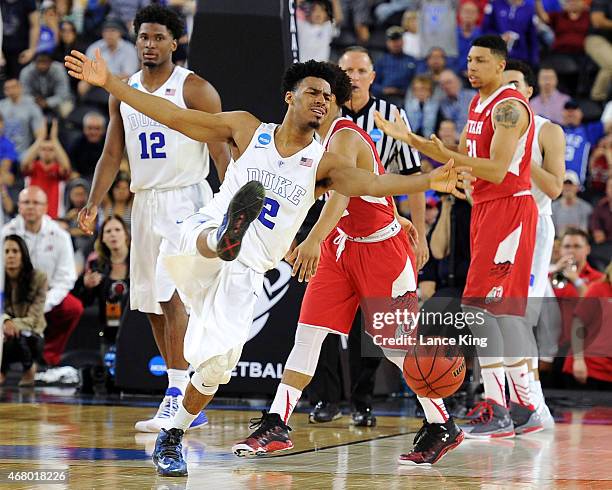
507 114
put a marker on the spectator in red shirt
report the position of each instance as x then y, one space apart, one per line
571 276
601 219
47 165
570 27
600 164
590 362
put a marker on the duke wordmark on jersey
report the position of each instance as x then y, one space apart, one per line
279 185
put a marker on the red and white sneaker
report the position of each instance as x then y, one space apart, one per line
271 435
432 442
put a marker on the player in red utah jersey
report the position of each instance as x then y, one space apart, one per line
366 256
496 143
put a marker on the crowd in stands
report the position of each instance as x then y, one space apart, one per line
52 127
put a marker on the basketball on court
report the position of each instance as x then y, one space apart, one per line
434 371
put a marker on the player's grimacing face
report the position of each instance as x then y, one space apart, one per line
311 101
155 44
483 66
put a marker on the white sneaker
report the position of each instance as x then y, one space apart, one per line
540 403
165 414
545 416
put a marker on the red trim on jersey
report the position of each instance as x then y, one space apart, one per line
479 135
364 217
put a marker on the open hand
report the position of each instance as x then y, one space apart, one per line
305 259
397 128
449 179
91 71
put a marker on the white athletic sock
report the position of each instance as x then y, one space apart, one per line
211 239
182 419
435 411
285 400
178 378
518 381
494 384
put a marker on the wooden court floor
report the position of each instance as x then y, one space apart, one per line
99 448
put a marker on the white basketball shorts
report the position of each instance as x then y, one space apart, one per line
545 237
221 295
156 218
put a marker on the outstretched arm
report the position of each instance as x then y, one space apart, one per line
352 181
510 119
201 95
198 125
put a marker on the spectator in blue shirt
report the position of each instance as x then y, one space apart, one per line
422 109
455 102
514 21
580 138
395 70
467 31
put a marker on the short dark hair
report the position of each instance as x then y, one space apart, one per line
342 87
574 231
525 69
311 68
156 14
495 43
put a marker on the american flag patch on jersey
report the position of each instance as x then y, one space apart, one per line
170 91
307 162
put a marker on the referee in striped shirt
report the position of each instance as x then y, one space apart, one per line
397 157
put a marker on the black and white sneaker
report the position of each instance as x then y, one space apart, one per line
324 412
363 417
270 435
432 442
243 209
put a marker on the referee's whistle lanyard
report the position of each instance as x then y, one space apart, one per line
388 231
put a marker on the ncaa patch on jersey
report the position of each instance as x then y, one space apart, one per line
264 139
376 134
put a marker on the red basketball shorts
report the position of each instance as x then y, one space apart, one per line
502 240
383 269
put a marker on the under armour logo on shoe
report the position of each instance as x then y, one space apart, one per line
444 437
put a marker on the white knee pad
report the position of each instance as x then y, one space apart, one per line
305 353
215 371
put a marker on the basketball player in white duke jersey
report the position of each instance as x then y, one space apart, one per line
278 174
547 170
168 173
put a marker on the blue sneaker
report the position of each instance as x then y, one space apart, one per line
168 454
243 209
200 421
